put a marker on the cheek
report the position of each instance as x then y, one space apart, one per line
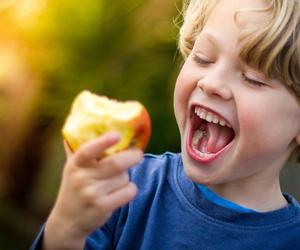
254 122
251 118
267 130
255 132
183 89
179 99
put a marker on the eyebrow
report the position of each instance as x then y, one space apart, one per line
210 37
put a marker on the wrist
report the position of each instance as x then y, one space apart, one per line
59 236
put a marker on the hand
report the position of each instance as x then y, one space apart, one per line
90 191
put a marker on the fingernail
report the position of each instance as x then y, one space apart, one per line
115 135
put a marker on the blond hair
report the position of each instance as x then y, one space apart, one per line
273 48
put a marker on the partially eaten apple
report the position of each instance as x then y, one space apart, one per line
92 115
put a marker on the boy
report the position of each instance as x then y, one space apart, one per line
238 112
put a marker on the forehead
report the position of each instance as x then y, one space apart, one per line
237 14
226 21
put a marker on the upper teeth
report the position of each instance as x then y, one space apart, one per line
210 117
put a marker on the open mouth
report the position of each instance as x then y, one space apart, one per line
209 135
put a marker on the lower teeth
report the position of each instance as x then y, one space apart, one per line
200 153
197 137
195 141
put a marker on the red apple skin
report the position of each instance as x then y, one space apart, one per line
142 128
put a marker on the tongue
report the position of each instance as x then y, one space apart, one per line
217 137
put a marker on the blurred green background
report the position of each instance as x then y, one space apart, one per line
52 49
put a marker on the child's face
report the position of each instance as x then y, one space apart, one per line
263 113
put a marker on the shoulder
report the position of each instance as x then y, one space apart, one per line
162 159
155 167
294 209
291 227
156 176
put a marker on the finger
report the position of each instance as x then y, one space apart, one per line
114 183
120 197
68 150
103 187
91 150
118 163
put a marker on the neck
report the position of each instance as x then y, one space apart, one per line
259 196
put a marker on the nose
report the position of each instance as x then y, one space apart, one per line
215 86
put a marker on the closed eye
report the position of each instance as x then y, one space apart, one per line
201 61
253 81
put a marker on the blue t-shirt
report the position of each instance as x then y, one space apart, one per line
170 212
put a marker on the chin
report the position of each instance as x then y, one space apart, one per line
196 172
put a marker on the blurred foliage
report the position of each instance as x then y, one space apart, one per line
126 50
